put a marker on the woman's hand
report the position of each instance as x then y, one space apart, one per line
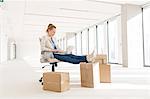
60 51
57 51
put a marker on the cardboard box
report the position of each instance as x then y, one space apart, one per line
101 58
101 61
89 74
56 81
105 73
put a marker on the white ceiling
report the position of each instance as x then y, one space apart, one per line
70 15
136 2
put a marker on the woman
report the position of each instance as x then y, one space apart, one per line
51 50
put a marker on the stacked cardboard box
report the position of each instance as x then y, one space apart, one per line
89 74
95 73
56 81
104 68
101 58
104 72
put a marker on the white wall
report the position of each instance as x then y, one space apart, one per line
16 14
3 35
0 30
124 36
26 41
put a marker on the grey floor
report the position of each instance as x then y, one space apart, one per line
19 80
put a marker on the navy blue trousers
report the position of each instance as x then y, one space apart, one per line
70 58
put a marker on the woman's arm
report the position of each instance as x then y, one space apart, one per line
42 43
44 48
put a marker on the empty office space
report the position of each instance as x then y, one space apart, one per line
69 49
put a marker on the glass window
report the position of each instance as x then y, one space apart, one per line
146 16
60 43
64 43
79 43
113 41
71 42
85 42
102 38
134 34
92 39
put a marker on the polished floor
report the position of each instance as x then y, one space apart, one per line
19 80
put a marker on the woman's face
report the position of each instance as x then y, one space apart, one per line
51 32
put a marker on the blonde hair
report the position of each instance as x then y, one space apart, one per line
50 27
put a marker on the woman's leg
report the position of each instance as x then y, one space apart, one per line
88 58
70 58
77 57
